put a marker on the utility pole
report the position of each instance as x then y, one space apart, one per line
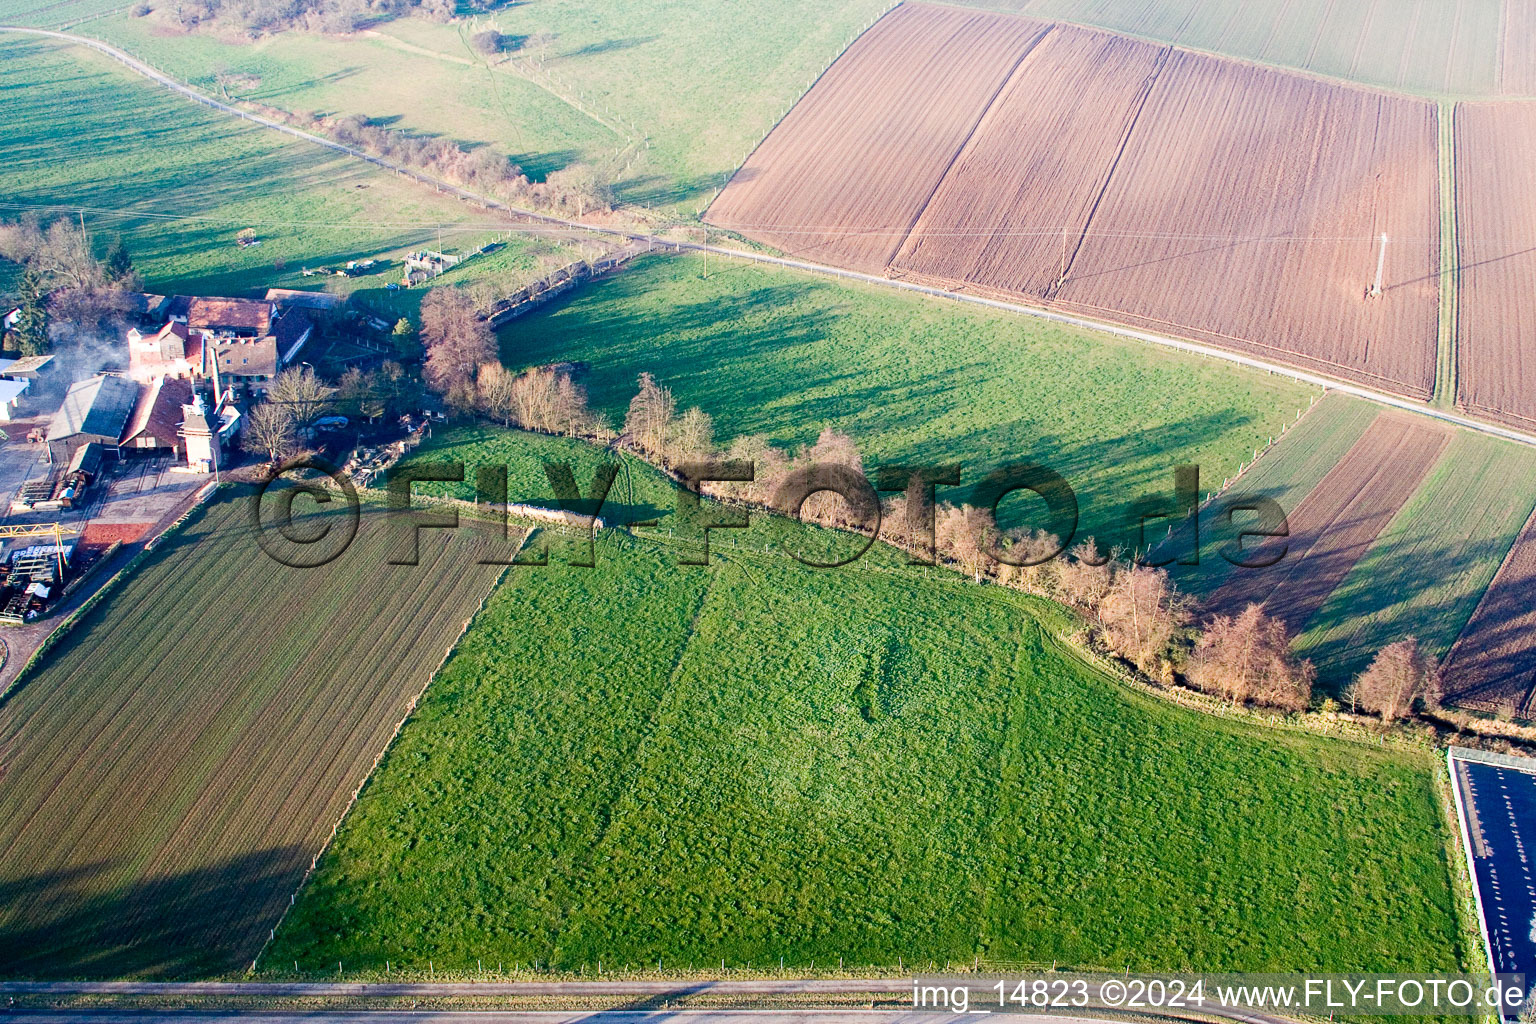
1062 277
1381 266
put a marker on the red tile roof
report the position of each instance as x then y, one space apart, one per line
230 315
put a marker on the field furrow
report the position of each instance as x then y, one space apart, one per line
1334 525
848 171
1496 226
181 757
1043 194
1493 665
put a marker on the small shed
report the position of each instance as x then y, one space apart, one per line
88 459
31 368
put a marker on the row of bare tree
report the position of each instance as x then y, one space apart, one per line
62 280
574 190
1135 612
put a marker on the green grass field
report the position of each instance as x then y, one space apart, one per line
178 180
52 13
1433 47
787 354
702 82
1427 570
385 78
639 492
179 759
755 760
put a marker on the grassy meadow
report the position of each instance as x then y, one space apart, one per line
178 180
383 77
753 760
683 88
777 352
179 758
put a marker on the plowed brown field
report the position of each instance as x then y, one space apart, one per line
846 173
1496 215
1041 195
1335 523
1197 196
1492 666
170 771
1247 209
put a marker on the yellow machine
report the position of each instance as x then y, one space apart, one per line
54 530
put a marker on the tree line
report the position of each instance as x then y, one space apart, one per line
1132 612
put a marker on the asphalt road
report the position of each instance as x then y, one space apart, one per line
1503 802
514 1017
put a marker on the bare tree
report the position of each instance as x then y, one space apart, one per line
965 536
581 186
1247 657
1142 615
457 343
1085 578
298 390
649 419
769 465
497 387
1399 676
269 431
693 435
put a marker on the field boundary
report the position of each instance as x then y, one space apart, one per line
410 709
677 245
1447 382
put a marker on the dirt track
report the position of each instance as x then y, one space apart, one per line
1337 522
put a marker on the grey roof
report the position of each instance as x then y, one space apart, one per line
28 364
99 406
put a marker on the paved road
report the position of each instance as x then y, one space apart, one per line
656 241
644 998
1501 803
638 1016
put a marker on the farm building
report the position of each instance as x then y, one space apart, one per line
199 429
96 410
171 351
155 425
35 369
239 341
145 308
247 342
